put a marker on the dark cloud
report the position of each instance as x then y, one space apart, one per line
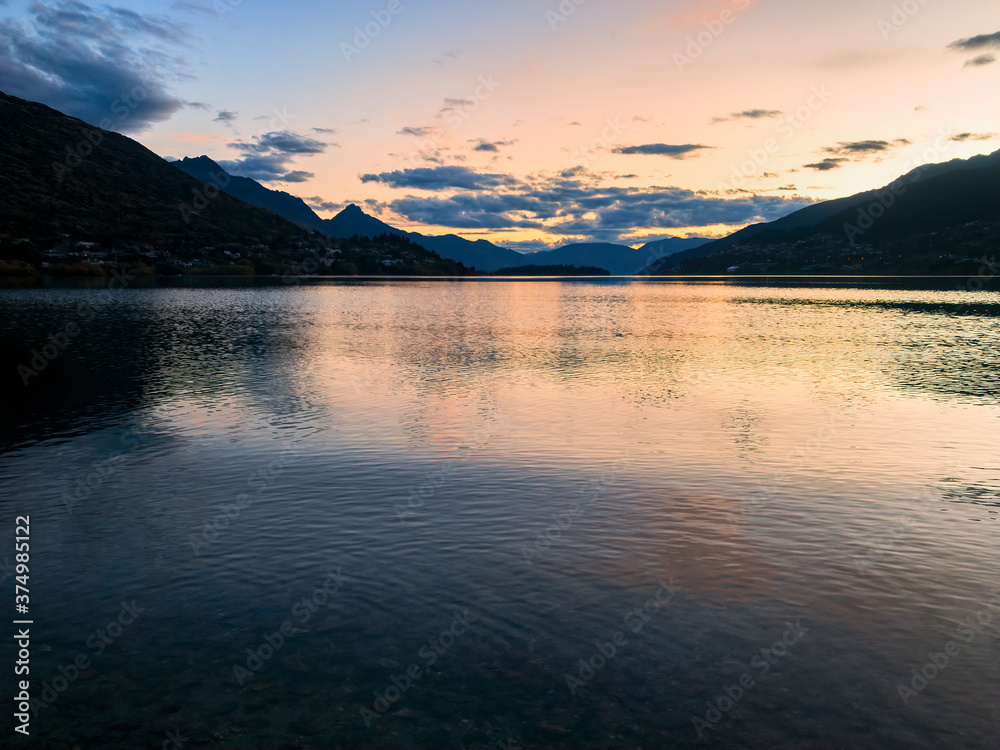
749 114
419 132
979 60
855 151
321 204
281 141
574 205
269 157
973 137
493 146
109 66
854 148
981 41
440 178
662 149
271 168
224 115
326 131
826 164
297 176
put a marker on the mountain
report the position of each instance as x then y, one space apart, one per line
671 245
933 220
482 254
78 200
250 191
63 176
620 260
353 221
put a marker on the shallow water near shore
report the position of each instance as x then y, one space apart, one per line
592 513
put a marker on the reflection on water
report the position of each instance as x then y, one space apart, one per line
540 459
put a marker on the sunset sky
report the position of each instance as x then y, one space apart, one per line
530 122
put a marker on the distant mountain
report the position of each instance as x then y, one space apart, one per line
353 221
620 260
482 254
926 221
250 191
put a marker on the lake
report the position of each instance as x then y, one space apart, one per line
506 514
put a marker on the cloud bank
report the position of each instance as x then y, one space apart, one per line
108 66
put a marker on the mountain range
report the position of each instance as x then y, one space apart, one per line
67 183
619 260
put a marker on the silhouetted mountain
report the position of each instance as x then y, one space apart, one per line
482 254
250 191
353 221
63 176
620 260
78 200
926 221
671 245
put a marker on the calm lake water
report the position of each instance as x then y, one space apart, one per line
506 515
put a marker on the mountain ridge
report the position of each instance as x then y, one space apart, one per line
79 200
620 260
934 204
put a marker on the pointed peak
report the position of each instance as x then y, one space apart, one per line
201 160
